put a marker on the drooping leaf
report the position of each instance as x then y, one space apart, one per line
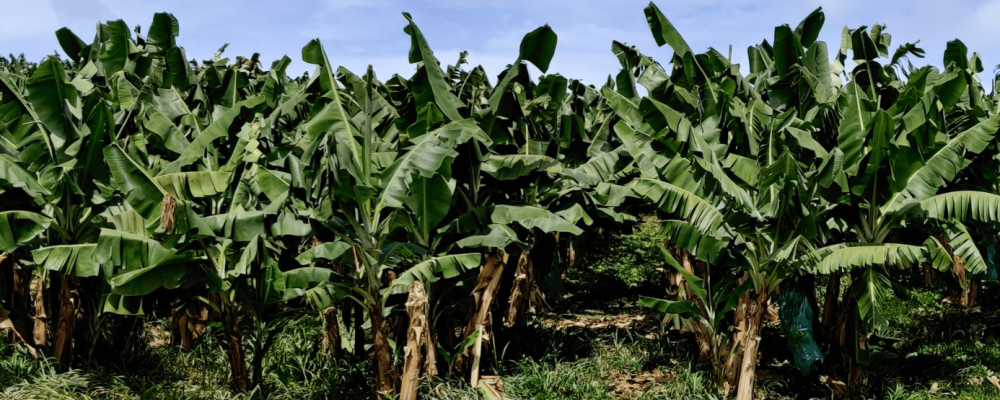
191 185
272 186
125 305
324 251
846 257
964 247
237 226
696 284
75 259
941 167
675 200
533 217
500 236
13 175
687 237
120 252
428 271
575 214
963 206
146 280
685 308
17 228
598 169
513 166
870 293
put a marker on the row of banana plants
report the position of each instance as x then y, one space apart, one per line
135 182
803 169
428 213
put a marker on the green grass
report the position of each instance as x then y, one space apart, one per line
294 371
953 348
591 377
627 258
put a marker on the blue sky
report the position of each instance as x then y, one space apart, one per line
361 32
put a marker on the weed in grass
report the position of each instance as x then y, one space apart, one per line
616 354
453 388
628 259
692 385
937 350
294 368
551 379
17 366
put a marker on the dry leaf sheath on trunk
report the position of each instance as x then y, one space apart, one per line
483 295
418 338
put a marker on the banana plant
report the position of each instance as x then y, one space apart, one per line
720 159
903 144
387 192
54 158
67 115
180 213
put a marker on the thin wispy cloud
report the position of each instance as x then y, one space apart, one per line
357 33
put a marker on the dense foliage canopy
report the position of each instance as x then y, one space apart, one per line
134 181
